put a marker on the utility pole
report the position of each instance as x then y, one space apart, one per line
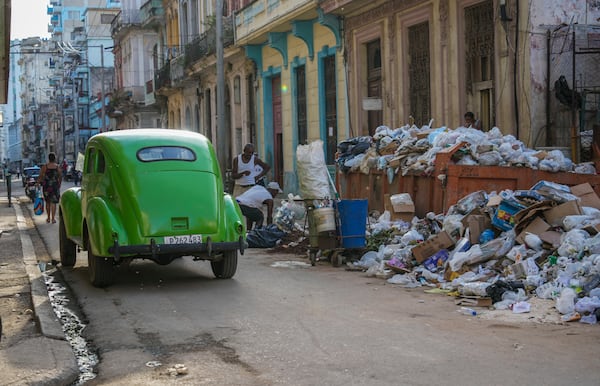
75 120
223 141
102 87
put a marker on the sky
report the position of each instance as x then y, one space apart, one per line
29 18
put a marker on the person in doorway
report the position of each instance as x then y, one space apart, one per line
245 171
471 122
50 179
251 203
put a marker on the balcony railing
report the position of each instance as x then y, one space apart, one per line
162 78
152 12
177 70
124 19
204 45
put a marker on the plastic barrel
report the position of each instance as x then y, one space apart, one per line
353 222
325 219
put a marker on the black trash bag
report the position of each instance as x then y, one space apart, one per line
264 237
496 290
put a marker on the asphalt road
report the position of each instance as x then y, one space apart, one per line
281 321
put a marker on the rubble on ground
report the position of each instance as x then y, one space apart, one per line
505 250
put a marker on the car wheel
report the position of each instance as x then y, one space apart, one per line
225 268
68 249
100 268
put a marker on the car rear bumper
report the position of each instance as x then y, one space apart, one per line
154 250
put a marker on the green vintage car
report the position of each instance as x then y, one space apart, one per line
150 194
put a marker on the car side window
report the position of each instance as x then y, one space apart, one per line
89 167
101 162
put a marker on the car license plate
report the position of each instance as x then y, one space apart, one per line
184 239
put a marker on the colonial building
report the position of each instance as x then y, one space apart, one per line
188 80
301 80
414 61
136 37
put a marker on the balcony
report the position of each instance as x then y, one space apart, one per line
152 13
178 70
125 19
262 16
162 78
205 44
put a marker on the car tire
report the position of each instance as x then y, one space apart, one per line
226 267
100 268
68 249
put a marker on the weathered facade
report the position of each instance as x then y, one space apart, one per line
414 61
301 82
136 44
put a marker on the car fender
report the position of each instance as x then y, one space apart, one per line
234 218
70 210
103 225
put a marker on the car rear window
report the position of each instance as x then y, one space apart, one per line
166 153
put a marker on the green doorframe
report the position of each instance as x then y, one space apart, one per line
269 156
297 62
325 52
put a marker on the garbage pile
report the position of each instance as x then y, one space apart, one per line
410 150
499 249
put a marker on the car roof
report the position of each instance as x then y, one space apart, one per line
31 168
131 140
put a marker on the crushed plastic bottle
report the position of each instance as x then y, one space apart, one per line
467 311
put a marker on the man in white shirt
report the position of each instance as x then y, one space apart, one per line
252 201
247 170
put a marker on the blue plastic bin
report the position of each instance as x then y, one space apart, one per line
353 223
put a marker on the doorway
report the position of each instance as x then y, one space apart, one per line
277 129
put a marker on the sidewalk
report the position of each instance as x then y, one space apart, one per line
33 349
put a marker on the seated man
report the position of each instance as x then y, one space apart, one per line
252 201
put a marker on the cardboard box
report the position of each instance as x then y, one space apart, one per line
494 201
551 238
390 148
555 215
587 195
404 212
394 162
536 227
431 246
474 301
592 229
525 268
436 261
504 219
477 224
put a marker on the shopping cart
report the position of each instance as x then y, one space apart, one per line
335 226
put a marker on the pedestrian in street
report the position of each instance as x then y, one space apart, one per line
245 171
76 177
64 166
50 179
252 201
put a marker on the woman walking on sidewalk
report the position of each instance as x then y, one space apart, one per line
50 179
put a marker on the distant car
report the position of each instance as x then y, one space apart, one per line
33 171
152 194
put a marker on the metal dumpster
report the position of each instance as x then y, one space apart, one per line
449 183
